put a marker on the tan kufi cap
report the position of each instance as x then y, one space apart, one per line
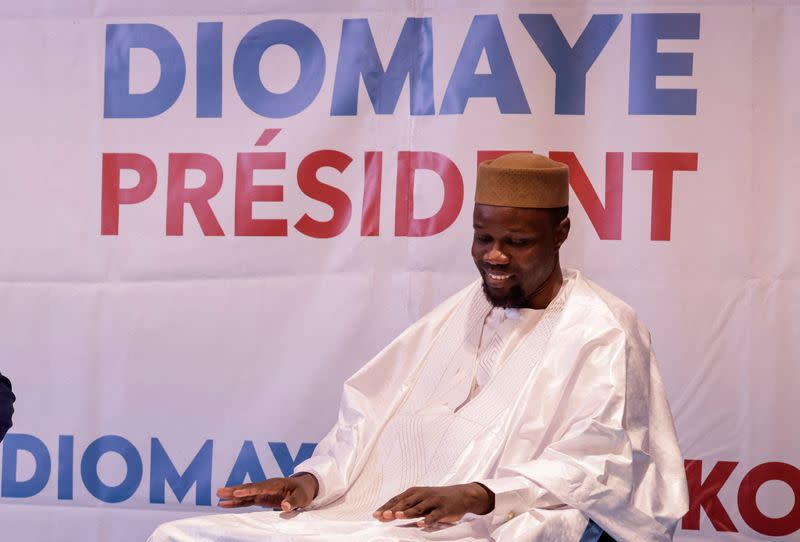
523 179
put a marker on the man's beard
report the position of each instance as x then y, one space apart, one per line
514 299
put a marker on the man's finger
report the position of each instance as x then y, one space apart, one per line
236 503
402 503
407 502
289 501
388 504
269 500
263 488
418 510
439 515
433 517
227 492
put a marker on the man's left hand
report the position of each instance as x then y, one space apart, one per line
446 504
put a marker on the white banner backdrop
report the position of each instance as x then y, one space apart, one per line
213 213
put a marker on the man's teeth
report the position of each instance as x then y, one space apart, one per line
497 277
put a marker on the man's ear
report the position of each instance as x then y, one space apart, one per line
561 232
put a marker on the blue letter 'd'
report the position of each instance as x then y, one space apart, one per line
133 464
358 56
12 445
485 33
570 63
248 57
120 39
647 63
163 472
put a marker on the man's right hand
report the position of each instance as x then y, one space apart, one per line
284 493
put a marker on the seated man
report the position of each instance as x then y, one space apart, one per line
525 407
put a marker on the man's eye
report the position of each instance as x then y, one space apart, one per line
519 242
482 238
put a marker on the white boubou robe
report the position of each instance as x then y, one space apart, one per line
572 423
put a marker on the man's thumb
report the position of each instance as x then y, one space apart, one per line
288 504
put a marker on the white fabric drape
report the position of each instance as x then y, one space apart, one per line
572 424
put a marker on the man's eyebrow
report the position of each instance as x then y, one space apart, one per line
520 230
478 225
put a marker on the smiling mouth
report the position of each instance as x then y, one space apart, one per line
497 279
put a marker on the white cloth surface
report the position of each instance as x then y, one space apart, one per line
571 423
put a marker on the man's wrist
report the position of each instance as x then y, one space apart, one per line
309 478
483 498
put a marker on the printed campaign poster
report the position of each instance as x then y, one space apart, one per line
214 213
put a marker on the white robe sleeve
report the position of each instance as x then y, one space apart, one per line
602 460
369 398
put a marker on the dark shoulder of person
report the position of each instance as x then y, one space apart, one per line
7 399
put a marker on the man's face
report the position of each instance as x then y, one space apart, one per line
515 251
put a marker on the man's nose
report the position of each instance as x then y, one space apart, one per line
495 256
